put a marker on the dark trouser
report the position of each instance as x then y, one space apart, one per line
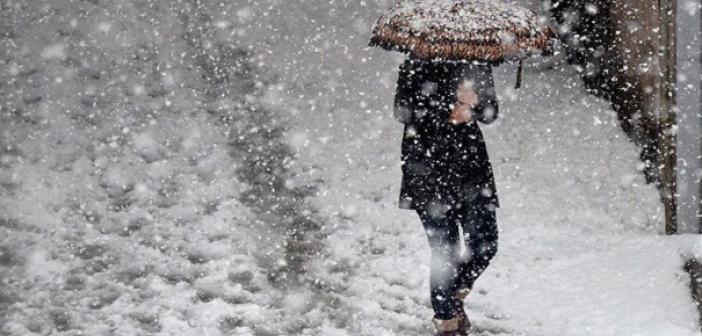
449 269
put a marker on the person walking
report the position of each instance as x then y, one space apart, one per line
444 88
447 177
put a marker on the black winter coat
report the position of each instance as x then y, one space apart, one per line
444 164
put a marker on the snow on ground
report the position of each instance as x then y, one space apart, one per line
147 188
136 158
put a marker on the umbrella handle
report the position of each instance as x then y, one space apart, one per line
518 84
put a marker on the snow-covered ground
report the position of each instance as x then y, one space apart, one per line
157 180
137 162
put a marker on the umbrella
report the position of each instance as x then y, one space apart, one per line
484 30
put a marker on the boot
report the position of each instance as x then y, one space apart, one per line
463 321
447 327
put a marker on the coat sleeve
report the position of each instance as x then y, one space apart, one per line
481 75
403 110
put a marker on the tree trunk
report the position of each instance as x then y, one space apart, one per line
667 114
626 49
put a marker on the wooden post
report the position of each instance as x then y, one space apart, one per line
667 115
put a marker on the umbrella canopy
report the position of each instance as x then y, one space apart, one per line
486 30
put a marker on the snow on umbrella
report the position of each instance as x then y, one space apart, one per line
461 29
485 30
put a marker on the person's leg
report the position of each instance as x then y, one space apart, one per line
480 233
443 235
